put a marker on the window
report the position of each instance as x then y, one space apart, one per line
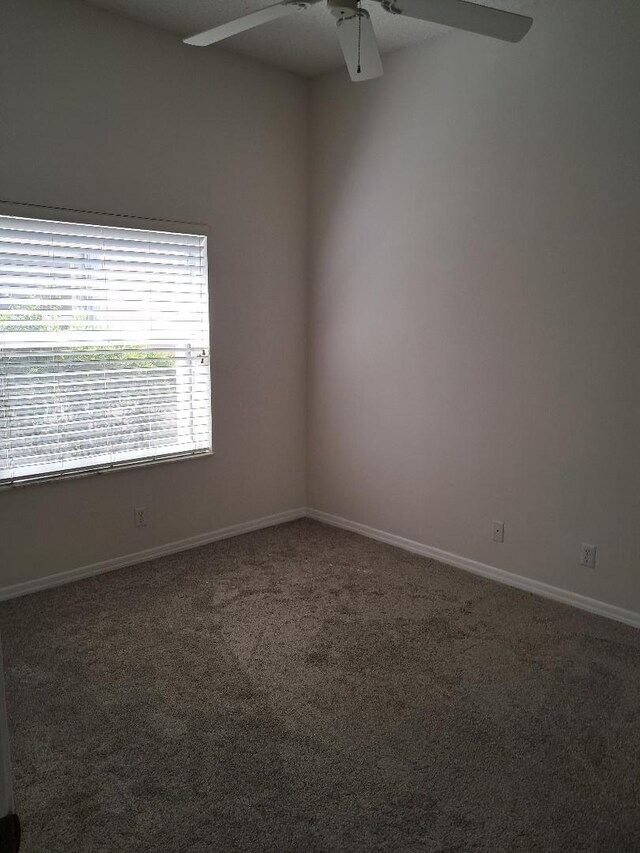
104 347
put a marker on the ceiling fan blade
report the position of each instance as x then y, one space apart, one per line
463 15
247 22
354 31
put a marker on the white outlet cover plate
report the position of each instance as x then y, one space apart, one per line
588 556
498 531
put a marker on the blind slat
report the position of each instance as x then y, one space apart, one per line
103 436
78 402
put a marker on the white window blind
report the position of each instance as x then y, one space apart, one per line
104 347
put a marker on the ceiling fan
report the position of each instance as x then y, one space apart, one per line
355 30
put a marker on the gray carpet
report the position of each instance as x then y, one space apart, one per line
305 689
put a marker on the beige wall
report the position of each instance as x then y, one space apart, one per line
473 320
102 114
475 333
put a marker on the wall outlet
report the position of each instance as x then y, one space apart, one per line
140 516
498 531
588 556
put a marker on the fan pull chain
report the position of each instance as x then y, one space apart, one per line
359 69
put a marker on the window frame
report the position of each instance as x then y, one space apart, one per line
117 220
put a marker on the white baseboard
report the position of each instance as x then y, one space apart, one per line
592 605
601 608
148 554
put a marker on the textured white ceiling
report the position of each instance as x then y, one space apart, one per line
305 42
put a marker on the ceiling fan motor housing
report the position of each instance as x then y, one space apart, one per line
343 8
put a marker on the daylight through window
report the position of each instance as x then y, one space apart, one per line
104 347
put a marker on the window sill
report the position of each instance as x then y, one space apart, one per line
82 473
